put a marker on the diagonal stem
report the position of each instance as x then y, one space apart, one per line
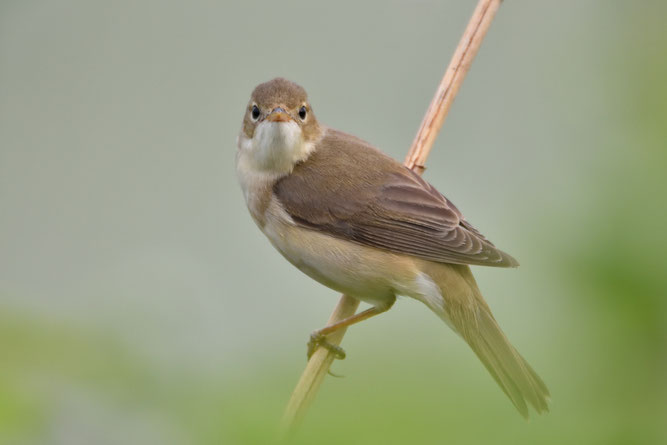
320 361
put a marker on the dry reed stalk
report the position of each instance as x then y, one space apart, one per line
320 361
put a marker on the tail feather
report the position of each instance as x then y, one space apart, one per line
463 308
510 370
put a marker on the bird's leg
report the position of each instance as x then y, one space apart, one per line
318 338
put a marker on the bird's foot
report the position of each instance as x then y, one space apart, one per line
317 340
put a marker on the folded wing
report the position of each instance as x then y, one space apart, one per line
351 190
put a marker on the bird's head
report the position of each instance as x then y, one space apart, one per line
279 127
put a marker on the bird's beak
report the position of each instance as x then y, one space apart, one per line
278 115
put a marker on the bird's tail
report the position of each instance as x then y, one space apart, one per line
471 318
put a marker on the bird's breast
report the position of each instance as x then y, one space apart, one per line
369 274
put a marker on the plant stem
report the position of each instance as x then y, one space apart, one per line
320 361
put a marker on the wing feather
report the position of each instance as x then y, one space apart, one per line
351 190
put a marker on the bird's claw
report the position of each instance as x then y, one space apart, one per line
317 340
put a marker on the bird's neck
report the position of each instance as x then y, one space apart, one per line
265 158
275 148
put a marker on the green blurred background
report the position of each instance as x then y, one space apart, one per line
139 304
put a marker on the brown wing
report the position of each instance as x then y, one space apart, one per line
351 190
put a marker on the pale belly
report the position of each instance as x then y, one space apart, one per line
369 274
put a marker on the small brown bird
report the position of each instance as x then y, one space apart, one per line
363 224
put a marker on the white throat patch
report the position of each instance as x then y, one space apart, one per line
276 147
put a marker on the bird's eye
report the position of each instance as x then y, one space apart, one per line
254 113
302 112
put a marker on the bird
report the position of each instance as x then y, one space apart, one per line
361 223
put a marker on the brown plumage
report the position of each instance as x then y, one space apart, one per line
395 210
361 223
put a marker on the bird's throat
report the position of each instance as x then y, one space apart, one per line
277 146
